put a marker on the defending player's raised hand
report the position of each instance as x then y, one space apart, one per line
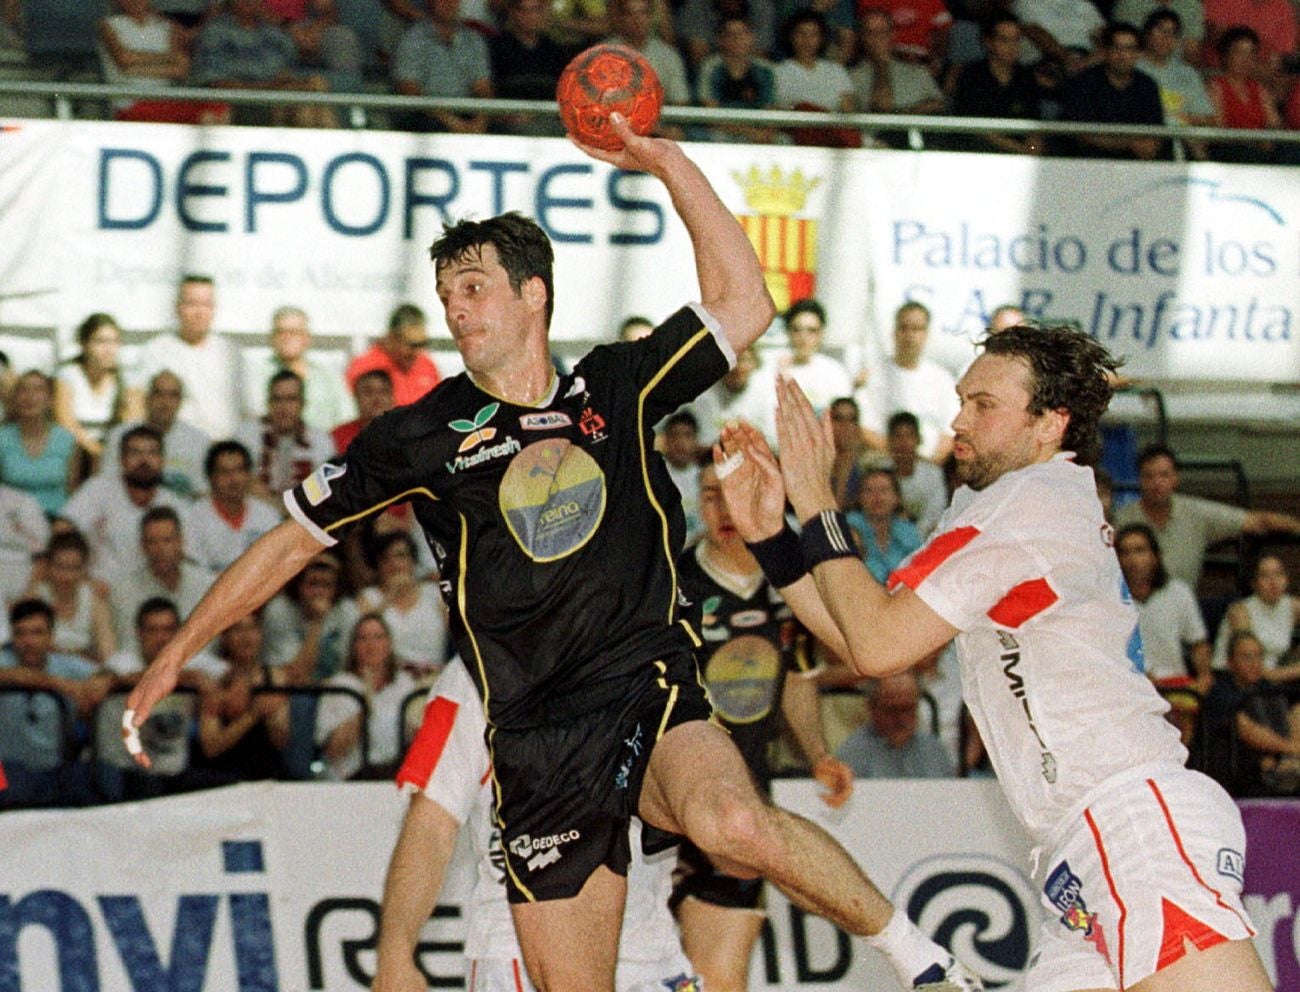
751 481
640 153
837 777
807 451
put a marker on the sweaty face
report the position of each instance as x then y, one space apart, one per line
994 432
487 318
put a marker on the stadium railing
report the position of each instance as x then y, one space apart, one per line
357 107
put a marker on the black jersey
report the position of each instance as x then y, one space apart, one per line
556 527
750 644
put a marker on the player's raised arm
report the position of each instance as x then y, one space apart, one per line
732 289
252 579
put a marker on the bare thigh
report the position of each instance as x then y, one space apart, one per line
571 945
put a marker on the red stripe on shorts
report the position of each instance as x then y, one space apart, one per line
1110 882
1023 602
519 982
426 750
1182 853
930 557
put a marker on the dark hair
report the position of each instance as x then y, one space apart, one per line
1116 28
522 247
679 418
990 24
215 451
1160 578
805 17
140 430
377 545
190 277
287 375
84 331
68 540
636 320
912 305
802 307
352 643
1069 371
903 418
1236 637
1258 559
1157 16
1153 451
25 609
405 315
379 375
155 604
1233 35
846 401
160 513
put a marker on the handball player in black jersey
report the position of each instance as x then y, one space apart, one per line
757 668
556 528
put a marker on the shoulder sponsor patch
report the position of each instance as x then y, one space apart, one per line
316 487
548 421
1231 864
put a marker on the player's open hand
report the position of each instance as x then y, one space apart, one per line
640 153
837 777
751 481
807 451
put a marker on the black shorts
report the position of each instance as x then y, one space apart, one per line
568 790
697 878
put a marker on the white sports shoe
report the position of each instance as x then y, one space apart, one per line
954 978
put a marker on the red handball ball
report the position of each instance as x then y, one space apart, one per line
601 80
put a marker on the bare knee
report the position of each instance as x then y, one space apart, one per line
738 832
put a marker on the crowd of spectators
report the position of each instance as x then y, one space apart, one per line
1231 63
124 491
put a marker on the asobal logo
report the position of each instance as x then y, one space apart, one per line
476 429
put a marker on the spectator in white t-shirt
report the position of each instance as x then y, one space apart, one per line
681 453
225 523
925 490
165 573
1271 613
184 446
910 381
107 509
1169 618
206 363
413 610
821 377
24 532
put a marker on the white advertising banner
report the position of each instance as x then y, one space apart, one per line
276 888
1190 271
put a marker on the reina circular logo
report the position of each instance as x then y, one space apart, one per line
553 498
742 678
979 907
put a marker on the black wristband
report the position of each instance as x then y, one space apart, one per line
826 537
780 557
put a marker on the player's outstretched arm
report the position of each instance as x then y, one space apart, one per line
801 706
415 872
731 280
253 578
883 633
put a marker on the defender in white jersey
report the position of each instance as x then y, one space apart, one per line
449 775
1139 860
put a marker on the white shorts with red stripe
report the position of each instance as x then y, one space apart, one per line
1152 867
671 974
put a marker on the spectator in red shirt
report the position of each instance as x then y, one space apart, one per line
920 28
400 353
373 392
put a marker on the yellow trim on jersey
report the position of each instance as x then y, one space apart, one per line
662 682
695 638
501 824
463 564
645 465
379 506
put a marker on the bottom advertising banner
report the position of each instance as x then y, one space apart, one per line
276 888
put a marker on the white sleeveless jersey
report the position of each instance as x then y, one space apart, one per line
1051 658
448 761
